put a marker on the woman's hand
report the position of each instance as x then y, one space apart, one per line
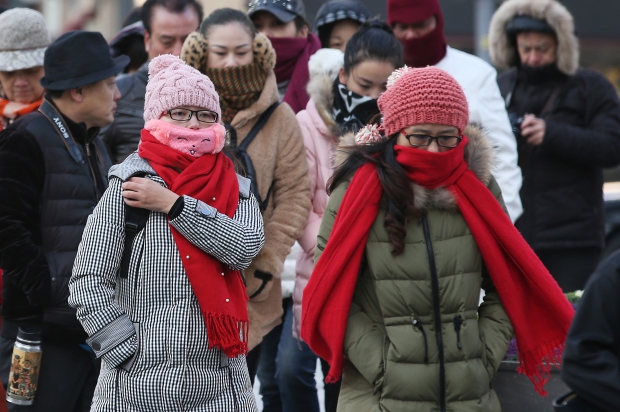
147 194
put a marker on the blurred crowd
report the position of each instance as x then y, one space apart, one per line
209 200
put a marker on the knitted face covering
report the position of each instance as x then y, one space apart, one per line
239 87
350 107
195 142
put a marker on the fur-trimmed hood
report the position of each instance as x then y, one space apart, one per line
503 49
478 155
321 90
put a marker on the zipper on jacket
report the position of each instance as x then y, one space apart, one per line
437 313
419 325
135 286
458 321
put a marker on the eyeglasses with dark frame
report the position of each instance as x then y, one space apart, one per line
183 115
422 140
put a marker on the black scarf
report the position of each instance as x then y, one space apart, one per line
352 111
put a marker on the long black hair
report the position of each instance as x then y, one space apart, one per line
394 182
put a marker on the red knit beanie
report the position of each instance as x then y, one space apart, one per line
411 11
419 96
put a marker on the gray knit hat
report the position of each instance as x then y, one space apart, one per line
24 39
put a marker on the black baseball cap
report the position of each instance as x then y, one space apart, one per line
78 58
284 10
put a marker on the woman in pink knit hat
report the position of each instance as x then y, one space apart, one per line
414 227
157 282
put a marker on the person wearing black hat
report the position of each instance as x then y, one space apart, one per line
53 171
566 122
338 20
286 25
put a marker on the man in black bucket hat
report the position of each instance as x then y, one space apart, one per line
53 171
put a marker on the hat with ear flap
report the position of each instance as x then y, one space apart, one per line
172 83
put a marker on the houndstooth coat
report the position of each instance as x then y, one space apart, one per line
147 328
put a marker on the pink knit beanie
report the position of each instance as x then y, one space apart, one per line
172 83
418 96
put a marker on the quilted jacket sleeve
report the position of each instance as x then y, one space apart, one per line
93 282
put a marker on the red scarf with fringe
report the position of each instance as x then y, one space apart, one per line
539 311
210 178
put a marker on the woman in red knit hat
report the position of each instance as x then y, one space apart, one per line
414 227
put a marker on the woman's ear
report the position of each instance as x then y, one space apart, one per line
342 76
303 32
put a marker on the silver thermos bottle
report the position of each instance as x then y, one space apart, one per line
25 367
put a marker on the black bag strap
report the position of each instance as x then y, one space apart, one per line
258 126
135 221
244 157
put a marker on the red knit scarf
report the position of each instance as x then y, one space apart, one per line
539 312
292 57
211 179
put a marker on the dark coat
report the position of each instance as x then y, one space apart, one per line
563 178
592 354
122 136
46 199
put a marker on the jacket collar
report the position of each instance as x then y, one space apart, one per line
80 133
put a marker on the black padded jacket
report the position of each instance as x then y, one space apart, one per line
563 177
47 195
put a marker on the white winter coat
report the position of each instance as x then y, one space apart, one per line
148 328
487 108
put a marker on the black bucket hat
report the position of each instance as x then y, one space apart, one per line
336 10
284 10
525 23
78 58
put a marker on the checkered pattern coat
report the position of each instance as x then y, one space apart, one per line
148 328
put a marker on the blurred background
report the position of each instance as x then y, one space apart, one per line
466 22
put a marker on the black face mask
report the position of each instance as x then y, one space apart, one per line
542 74
351 110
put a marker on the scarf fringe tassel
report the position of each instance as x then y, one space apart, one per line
227 334
536 364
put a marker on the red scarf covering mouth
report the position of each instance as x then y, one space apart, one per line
210 178
292 56
539 311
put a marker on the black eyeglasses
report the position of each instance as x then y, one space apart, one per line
184 115
421 140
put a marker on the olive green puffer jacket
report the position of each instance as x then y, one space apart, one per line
417 338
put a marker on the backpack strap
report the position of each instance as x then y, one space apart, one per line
135 221
247 161
258 126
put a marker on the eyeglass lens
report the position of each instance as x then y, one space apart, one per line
205 116
424 140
